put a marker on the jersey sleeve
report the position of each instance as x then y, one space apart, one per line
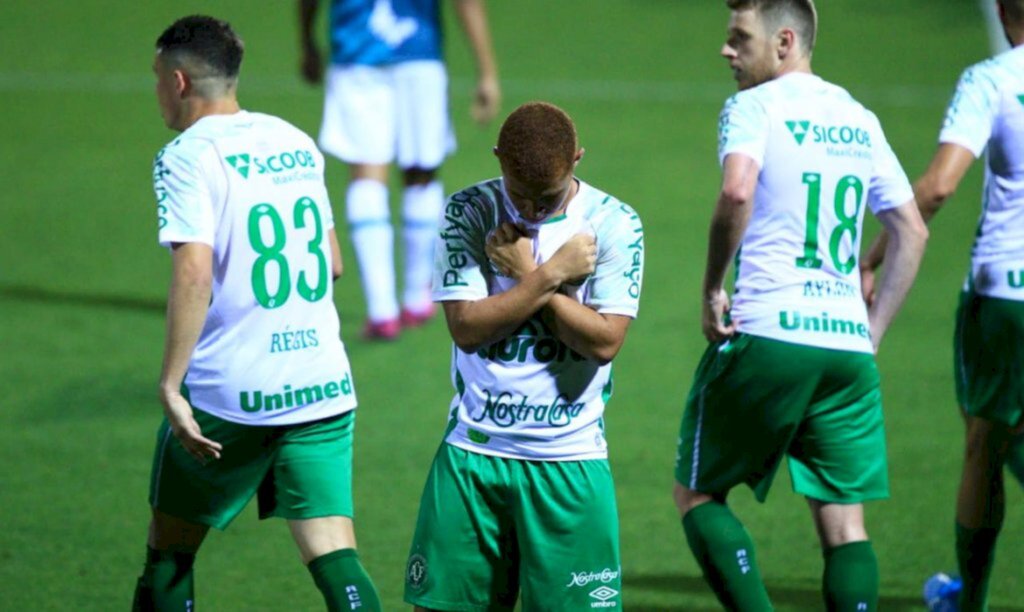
889 187
618 277
971 112
184 204
743 128
460 263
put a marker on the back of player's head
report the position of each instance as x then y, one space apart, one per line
1014 9
537 142
800 15
206 49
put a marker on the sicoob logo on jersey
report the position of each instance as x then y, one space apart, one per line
416 572
274 164
828 134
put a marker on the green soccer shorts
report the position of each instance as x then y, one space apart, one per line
489 527
755 400
988 354
297 471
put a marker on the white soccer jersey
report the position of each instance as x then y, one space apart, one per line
987 111
251 186
529 396
822 156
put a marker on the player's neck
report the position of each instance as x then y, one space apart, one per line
1015 36
198 108
794 66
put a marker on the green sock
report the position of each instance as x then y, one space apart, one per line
975 553
344 583
725 552
850 580
166 583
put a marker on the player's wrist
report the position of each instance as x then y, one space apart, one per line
715 296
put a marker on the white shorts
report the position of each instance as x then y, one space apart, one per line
381 114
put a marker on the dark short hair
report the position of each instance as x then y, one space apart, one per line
537 142
1014 9
797 14
205 43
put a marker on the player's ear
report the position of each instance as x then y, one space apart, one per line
579 156
182 83
785 43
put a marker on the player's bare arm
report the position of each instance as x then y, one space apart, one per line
477 323
187 303
487 97
907 237
729 221
591 334
337 267
586 331
932 190
312 64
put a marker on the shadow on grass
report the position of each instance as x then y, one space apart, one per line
25 293
797 597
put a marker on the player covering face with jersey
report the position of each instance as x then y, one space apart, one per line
539 274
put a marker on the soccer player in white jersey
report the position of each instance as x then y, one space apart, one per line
790 370
386 100
985 115
256 387
539 274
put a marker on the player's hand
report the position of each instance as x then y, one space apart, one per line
575 259
186 429
867 285
716 306
486 100
510 249
312 66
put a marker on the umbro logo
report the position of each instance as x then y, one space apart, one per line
799 130
240 162
602 595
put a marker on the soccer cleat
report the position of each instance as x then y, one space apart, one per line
415 318
941 593
382 330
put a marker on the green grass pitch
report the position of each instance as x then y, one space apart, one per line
82 286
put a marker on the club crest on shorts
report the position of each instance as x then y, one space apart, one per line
416 572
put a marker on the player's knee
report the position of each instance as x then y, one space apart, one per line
172 534
418 176
986 441
687 499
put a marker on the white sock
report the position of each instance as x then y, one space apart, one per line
369 226
421 209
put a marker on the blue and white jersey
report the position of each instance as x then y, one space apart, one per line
823 161
530 396
987 114
380 32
